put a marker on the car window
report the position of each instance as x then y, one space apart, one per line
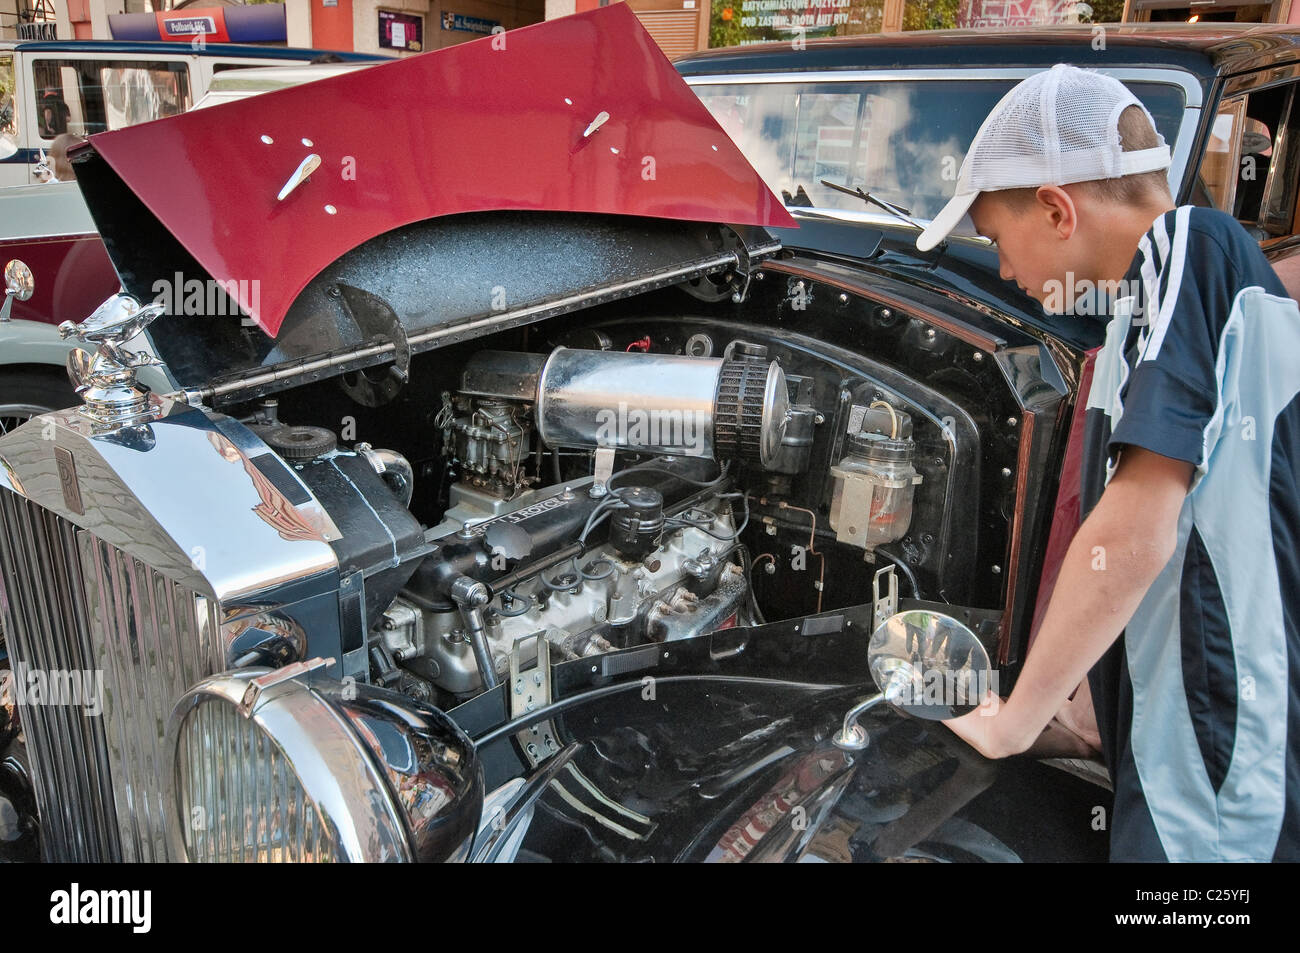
1252 165
8 110
83 97
902 141
1265 142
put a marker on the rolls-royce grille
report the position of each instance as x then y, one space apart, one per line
102 646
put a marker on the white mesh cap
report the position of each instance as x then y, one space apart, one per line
1056 127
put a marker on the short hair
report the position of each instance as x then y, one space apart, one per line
1135 133
58 154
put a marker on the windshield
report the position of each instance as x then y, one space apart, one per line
900 140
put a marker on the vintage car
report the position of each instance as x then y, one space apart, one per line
542 487
83 87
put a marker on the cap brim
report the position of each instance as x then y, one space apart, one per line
946 220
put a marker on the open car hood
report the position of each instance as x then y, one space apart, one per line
582 116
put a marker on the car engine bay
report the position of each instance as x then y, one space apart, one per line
602 485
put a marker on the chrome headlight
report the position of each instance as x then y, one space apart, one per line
285 765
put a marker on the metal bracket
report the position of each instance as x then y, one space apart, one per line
604 470
744 267
887 605
528 691
258 686
377 321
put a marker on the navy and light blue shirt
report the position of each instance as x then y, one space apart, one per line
1198 703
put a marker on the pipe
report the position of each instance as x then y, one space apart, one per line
471 596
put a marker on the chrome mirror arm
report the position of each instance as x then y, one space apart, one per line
852 736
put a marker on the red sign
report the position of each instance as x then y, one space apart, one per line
1012 13
183 26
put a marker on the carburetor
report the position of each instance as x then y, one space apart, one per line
487 439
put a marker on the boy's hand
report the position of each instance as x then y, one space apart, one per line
986 731
1134 526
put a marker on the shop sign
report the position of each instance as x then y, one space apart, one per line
401 31
458 21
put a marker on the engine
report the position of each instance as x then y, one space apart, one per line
649 554
666 569
607 558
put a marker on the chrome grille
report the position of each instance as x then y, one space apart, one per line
238 795
71 602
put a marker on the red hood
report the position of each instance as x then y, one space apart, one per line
492 124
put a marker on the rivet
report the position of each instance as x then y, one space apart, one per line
331 210
268 140
308 143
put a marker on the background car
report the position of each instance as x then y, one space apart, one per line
84 87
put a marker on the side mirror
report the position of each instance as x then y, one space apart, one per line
925 663
19 284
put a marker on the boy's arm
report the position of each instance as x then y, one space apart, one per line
1132 532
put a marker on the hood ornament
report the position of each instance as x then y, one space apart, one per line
106 380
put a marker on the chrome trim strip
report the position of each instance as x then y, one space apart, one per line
1258 80
1176 77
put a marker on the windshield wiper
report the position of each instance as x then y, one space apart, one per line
895 210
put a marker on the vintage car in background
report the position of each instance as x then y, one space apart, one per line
82 88
565 494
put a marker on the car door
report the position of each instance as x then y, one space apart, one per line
1251 165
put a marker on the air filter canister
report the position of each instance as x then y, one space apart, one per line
663 403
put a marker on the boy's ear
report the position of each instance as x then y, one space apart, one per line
1059 208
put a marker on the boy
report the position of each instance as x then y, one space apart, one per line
1179 597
